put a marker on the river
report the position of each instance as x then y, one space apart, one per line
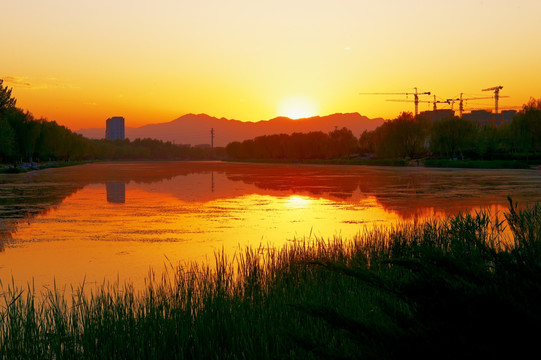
109 222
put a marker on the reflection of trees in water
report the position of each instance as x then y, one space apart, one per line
27 200
408 192
7 227
311 179
401 194
28 195
24 196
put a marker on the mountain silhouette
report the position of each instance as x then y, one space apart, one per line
194 129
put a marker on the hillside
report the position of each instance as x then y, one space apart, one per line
195 129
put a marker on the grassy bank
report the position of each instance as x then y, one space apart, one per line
445 289
7 169
373 162
439 163
477 164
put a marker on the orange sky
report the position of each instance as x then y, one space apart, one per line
81 62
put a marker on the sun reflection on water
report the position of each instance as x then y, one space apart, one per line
298 202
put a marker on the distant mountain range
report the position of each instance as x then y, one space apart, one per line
195 129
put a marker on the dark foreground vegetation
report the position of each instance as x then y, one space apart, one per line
451 289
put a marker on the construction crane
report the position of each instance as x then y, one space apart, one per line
415 97
434 102
461 100
496 90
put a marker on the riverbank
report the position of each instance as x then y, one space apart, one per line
372 162
438 289
433 163
25 167
478 164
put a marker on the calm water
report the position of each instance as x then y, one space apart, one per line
108 222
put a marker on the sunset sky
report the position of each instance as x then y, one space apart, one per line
80 62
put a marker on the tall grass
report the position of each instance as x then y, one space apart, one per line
454 288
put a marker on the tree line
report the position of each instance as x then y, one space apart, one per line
26 139
407 137
453 137
313 145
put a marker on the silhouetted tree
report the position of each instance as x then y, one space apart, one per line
342 143
367 142
453 136
7 134
6 101
526 126
320 145
234 150
7 140
402 137
300 146
26 131
490 141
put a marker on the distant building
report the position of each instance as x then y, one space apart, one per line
114 129
483 117
436 115
508 115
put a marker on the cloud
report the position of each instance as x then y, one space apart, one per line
17 81
36 84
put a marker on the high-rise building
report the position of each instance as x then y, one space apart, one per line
114 128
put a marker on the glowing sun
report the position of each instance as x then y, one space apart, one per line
298 107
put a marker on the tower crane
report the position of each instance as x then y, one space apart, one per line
461 100
434 102
415 96
496 90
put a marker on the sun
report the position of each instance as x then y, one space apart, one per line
298 107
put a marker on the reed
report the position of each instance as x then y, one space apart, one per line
468 285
